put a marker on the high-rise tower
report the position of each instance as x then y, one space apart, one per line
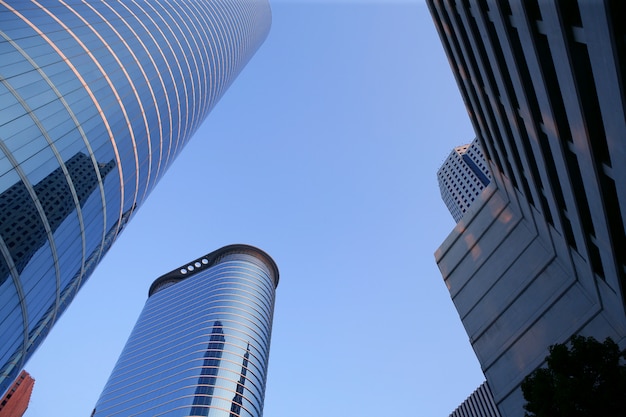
201 344
96 100
540 257
462 177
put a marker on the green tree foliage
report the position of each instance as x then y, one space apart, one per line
587 379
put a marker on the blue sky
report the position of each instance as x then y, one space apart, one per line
324 154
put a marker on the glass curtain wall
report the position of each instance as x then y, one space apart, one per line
96 100
201 344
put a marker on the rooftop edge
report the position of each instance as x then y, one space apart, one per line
212 259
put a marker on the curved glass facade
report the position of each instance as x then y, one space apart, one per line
201 344
96 100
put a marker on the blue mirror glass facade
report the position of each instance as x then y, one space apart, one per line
201 344
96 100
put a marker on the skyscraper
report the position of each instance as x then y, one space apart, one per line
96 100
201 344
541 255
462 177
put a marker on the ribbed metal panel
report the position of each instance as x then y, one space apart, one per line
479 404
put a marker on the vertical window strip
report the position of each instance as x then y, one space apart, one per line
193 17
175 80
131 82
455 53
207 42
182 37
217 25
162 161
588 97
493 148
121 102
616 228
184 66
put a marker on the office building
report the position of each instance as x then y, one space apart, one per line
96 101
16 399
201 344
462 177
540 256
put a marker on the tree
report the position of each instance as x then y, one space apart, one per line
586 380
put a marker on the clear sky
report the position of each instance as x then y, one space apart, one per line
324 154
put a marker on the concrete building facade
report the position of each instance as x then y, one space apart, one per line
540 257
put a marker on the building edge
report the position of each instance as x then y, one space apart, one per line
209 260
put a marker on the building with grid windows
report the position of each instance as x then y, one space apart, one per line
96 101
462 177
201 344
540 256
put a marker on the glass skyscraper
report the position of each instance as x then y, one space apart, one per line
201 344
96 100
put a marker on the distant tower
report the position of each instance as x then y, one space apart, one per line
462 177
201 344
97 99
16 399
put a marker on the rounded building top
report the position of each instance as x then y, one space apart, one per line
209 260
